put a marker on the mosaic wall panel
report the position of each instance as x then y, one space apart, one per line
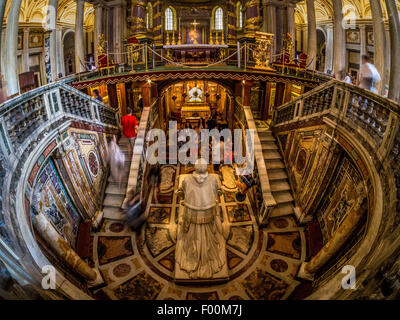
340 198
84 166
52 199
310 156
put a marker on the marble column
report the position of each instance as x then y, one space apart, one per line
98 27
329 49
279 28
339 46
52 29
79 43
394 24
118 46
60 52
387 60
2 9
62 249
11 66
380 42
270 19
363 42
25 51
311 34
291 28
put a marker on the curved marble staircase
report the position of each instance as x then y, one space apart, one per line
115 193
277 175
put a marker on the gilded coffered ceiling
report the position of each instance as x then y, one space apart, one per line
352 9
34 11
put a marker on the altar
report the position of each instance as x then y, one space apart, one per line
197 53
195 107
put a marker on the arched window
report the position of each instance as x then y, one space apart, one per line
239 15
219 19
169 19
149 16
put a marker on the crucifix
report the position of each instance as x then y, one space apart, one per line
195 24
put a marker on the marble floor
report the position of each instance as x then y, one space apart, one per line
262 263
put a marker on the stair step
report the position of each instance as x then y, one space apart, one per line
113 188
112 213
282 210
277 164
266 138
266 131
269 145
113 200
280 185
124 179
282 197
271 155
278 174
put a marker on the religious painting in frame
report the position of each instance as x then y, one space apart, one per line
36 39
353 36
20 44
370 38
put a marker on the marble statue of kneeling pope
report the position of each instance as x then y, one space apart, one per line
200 253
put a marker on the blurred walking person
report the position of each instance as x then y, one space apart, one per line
369 75
116 160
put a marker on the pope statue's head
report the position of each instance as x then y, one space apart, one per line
201 166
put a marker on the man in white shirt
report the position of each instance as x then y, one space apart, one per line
369 75
347 79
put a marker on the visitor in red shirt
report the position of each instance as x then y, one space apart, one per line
129 127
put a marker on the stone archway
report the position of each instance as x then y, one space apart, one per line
69 52
321 50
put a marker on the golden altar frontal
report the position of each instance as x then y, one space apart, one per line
194 111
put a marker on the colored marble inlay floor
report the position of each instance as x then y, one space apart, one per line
140 266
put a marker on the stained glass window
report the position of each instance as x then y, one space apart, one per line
169 19
219 19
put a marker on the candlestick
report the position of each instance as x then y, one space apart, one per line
173 38
211 38
179 32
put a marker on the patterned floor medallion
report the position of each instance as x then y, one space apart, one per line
261 264
113 248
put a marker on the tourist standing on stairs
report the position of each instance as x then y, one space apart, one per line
97 95
129 127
